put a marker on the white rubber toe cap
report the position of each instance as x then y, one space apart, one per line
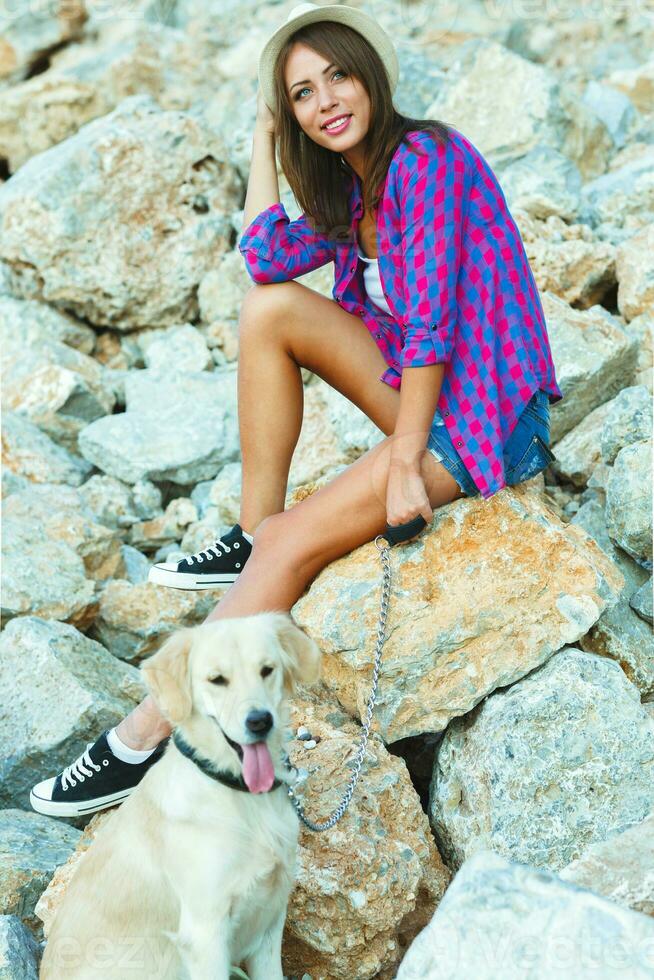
43 790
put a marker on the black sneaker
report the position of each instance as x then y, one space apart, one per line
95 781
219 564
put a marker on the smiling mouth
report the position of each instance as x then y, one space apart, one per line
341 123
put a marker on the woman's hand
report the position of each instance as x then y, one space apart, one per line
406 496
265 118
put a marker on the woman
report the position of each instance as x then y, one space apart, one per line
435 331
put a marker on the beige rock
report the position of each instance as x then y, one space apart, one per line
566 260
635 271
537 585
56 387
620 868
29 30
637 83
29 453
89 80
133 620
61 515
368 885
529 107
150 535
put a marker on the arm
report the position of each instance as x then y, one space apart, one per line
274 249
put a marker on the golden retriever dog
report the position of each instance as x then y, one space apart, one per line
191 876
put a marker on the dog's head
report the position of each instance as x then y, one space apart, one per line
238 673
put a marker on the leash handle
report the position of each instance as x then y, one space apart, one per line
395 533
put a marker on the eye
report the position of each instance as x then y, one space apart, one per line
298 94
218 679
266 671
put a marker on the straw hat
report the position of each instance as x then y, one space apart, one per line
309 13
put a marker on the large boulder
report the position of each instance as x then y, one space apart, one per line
119 223
547 766
61 690
180 428
537 583
503 919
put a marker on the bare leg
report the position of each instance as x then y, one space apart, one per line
282 328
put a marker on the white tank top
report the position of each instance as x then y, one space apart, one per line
372 282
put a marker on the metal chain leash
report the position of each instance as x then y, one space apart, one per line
384 551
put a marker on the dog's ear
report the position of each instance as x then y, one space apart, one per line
167 678
304 660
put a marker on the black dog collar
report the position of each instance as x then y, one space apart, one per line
221 775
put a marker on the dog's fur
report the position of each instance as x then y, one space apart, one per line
190 876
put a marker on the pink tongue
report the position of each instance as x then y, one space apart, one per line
258 769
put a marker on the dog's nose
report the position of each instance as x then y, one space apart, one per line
259 722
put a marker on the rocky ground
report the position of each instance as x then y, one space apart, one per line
504 820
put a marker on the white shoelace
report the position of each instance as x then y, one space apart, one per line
211 552
77 770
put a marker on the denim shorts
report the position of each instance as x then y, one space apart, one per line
526 453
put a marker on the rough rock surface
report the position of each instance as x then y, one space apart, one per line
41 731
620 868
545 767
180 429
31 847
493 918
19 952
119 223
538 585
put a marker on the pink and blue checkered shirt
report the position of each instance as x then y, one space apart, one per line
456 278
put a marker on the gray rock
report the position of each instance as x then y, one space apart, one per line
641 601
180 428
629 501
28 452
619 633
539 771
136 564
57 387
509 920
29 31
117 505
19 952
25 323
614 108
617 202
178 349
594 359
620 868
542 183
628 420
31 849
119 223
61 690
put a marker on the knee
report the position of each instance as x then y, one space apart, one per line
268 534
281 539
263 305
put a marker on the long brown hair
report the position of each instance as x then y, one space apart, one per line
316 175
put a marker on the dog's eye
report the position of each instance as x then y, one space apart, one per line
218 679
266 671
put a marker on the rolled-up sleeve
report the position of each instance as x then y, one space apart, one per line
434 189
276 249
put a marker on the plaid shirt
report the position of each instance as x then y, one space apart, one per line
456 278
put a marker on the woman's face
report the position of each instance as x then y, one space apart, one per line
319 92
